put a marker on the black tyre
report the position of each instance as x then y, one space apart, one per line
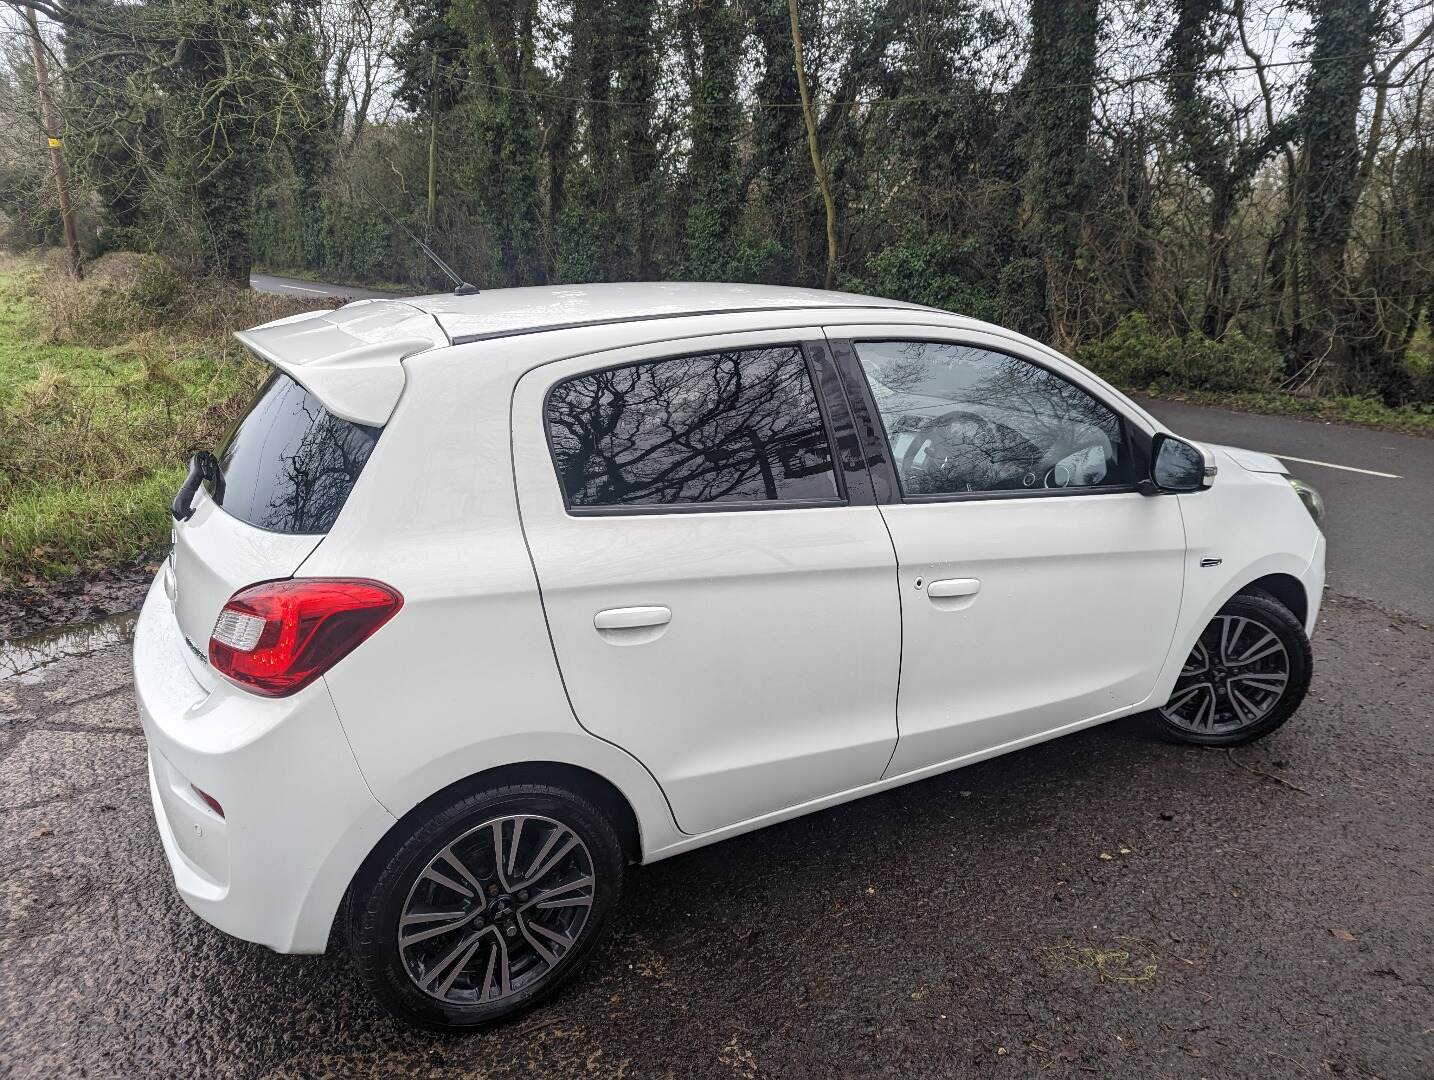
1247 674
486 906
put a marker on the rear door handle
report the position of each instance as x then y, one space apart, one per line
632 618
949 588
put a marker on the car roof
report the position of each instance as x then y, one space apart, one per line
351 358
506 312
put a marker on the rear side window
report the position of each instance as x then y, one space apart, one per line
729 427
289 464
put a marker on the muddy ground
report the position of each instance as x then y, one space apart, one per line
1104 905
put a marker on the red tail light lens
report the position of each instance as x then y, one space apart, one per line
276 637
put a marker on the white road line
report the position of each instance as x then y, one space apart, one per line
1331 465
299 288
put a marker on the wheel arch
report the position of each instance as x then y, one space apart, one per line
1287 589
592 785
598 789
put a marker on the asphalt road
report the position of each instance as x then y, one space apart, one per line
284 286
1380 527
1104 905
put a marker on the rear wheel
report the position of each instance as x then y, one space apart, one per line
1246 675
487 906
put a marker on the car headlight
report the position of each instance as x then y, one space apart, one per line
1310 496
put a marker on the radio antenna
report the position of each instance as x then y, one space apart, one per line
460 287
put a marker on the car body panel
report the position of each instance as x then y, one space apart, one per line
1069 605
462 679
1077 603
298 817
774 680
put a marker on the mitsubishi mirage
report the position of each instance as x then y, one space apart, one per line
489 597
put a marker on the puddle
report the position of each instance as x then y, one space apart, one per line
24 659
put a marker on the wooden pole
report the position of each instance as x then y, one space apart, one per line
811 122
432 142
52 135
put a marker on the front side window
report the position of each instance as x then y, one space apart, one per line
289 464
741 426
965 420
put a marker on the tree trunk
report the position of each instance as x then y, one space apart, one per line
1058 86
809 117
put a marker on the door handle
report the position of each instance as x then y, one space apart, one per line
632 618
950 588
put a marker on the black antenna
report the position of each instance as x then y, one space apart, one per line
460 287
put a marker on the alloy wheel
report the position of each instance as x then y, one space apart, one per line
1236 674
494 912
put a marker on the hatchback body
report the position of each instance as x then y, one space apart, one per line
490 596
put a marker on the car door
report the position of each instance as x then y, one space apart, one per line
1039 589
719 587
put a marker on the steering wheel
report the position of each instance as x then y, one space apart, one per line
935 440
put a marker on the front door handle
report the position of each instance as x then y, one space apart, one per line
949 588
953 594
632 618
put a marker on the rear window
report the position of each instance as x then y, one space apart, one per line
289 464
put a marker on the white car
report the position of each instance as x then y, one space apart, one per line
489 597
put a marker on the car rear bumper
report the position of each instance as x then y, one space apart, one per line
297 820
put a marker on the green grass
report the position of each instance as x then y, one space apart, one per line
103 397
53 531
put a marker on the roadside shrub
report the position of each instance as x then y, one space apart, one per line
124 295
1136 356
931 269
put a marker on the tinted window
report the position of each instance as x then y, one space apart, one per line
739 426
962 419
290 464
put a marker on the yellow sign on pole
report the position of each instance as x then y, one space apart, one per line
54 143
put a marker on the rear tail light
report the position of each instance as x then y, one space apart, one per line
276 637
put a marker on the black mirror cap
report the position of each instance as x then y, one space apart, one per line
1177 465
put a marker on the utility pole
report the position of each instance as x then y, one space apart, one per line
52 134
432 140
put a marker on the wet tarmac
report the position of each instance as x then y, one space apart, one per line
1104 905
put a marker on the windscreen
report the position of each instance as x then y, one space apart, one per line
289 464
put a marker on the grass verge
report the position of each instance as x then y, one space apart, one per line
106 387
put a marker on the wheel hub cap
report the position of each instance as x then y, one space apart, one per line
497 910
1235 676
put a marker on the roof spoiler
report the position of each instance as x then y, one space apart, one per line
351 358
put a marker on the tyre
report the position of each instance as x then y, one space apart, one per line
486 905
1247 674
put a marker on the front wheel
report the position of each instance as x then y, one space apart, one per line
1246 675
487 906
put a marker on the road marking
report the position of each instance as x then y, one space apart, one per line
300 288
1331 465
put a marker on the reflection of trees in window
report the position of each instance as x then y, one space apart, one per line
967 419
730 426
290 464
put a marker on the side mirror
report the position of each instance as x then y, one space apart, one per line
1177 465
